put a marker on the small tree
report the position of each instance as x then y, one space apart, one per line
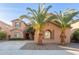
2 35
75 36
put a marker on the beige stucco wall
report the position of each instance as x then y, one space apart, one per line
16 31
57 32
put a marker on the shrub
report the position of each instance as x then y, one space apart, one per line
2 35
75 37
29 29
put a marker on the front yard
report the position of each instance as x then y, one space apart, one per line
26 47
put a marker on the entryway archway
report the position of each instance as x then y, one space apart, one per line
47 34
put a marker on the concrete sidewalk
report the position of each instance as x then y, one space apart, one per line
38 52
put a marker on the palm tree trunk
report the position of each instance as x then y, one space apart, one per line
38 37
63 37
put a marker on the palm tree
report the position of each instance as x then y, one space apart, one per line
65 19
37 19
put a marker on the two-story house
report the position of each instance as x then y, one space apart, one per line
18 28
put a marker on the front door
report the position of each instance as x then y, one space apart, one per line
47 35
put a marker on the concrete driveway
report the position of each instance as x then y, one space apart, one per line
23 48
11 45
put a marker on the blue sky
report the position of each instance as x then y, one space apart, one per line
11 11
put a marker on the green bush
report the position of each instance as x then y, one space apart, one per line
2 35
29 29
75 37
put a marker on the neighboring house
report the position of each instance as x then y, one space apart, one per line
6 28
18 28
75 26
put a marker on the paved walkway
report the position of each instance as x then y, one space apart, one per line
29 48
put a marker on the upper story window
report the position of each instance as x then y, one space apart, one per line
17 25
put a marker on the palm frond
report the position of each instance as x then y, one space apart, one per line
32 12
53 17
32 19
46 10
42 8
35 11
59 17
23 16
66 18
73 21
37 17
69 17
68 11
39 8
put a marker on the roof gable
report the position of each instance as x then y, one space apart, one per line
21 21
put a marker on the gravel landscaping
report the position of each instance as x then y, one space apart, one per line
50 46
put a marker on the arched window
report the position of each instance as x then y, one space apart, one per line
47 34
17 25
